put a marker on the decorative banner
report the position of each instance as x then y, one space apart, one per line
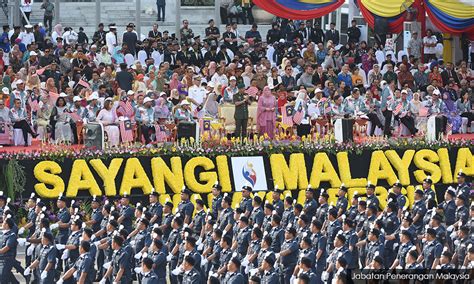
299 9
372 9
249 171
290 171
452 16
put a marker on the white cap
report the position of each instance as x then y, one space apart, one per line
282 40
33 53
404 92
318 90
185 102
210 84
129 93
62 95
77 99
93 96
436 92
5 91
43 85
19 81
147 99
28 26
233 78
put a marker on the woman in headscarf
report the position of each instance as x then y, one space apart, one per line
465 108
452 114
415 105
162 112
247 75
304 128
33 81
104 56
58 32
139 85
174 96
266 113
150 82
211 105
212 69
160 81
117 56
60 122
174 81
108 117
43 116
50 86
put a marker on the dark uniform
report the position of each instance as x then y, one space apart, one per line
150 278
374 249
402 253
7 259
322 213
173 240
167 220
278 237
191 277
226 217
159 261
243 241
85 264
310 207
270 277
431 251
342 204
216 206
463 189
186 209
279 207
241 117
198 222
419 208
462 214
63 233
332 229
156 209
73 255
319 242
460 248
97 217
256 217
449 209
127 212
288 216
121 259
47 255
391 224
373 200
289 262
246 205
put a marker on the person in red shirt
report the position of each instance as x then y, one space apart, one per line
282 97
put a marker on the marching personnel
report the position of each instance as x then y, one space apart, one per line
119 269
305 252
305 269
168 217
360 216
96 217
8 243
461 246
332 228
288 214
289 254
269 275
83 269
71 249
310 205
352 211
265 249
351 240
216 200
256 218
138 242
155 208
319 243
148 275
30 224
226 217
86 236
191 274
225 254
233 275
63 227
173 245
463 187
246 202
302 230
254 248
322 211
186 207
338 252
403 249
462 212
429 192
277 234
126 213
390 225
99 235
342 203
199 219
242 240
400 198
267 219
158 258
277 203
363 233
448 207
371 198
374 246
46 261
418 211
445 261
411 258
431 251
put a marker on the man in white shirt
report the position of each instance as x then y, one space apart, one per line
27 37
197 95
111 38
429 46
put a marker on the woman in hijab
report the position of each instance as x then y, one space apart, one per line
174 81
118 57
50 86
108 117
452 114
162 112
104 56
301 102
150 82
60 122
266 113
58 32
212 69
43 116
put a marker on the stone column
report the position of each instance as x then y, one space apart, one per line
178 19
217 13
138 7
97 12
57 7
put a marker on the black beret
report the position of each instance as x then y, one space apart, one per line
247 188
186 191
431 231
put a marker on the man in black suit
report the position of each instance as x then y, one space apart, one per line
154 34
333 34
170 56
449 73
211 55
318 34
196 56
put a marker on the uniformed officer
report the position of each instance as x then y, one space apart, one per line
277 202
158 257
148 275
390 225
216 200
191 274
319 243
199 219
173 242
303 227
96 216
460 246
269 275
139 240
463 187
277 234
351 240
338 251
233 275
62 225
288 214
246 202
418 211
3 202
254 248
289 253
267 218
242 240
305 268
155 208
448 206
256 217
333 226
226 218
445 261
400 198
168 216
429 192
371 198
306 251
374 246
186 207
45 263
8 243
352 211
119 270
30 223
431 250
411 259
83 269
342 203
462 212
225 254
310 205
126 213
405 246
321 212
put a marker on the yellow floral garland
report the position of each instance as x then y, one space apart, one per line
47 172
82 179
209 178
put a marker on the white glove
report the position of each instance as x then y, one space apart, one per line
93 237
247 269
60 246
21 231
203 260
200 246
325 276
27 271
137 270
96 243
54 226
169 257
132 243
277 256
293 279
253 271
102 281
65 254
138 255
106 266
21 241
44 274
224 232
30 250
450 228
60 281
177 271
199 241
245 262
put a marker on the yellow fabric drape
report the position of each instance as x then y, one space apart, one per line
387 9
455 8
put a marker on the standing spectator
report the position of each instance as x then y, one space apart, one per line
414 45
160 10
124 78
25 6
429 46
212 33
224 8
253 34
82 37
318 34
111 38
241 115
130 38
99 36
332 34
48 15
186 33
353 32
274 34
266 113
247 11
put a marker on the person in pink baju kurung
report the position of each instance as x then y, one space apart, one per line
266 113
